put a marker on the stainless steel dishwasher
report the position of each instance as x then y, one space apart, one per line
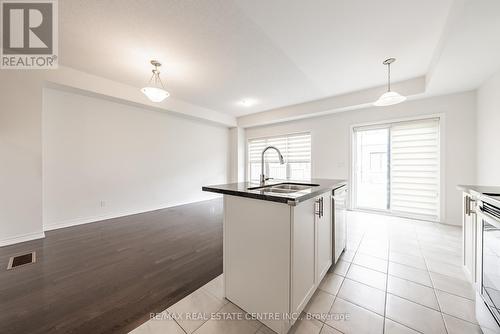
339 223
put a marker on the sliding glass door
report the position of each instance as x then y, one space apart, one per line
371 172
396 168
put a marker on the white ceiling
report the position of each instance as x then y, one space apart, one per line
280 52
469 52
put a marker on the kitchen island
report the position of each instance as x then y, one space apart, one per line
280 239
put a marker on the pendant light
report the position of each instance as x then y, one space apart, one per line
389 98
155 90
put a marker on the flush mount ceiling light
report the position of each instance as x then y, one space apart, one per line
155 90
389 98
247 102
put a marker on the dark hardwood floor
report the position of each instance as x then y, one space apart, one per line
106 277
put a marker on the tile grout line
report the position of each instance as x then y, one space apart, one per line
331 294
433 289
430 287
182 328
409 280
372 268
323 324
467 321
341 284
205 321
414 302
363 307
387 281
405 326
387 293
453 294
362 283
403 279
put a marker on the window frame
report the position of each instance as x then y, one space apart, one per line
441 216
286 134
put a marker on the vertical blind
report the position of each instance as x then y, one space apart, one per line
415 168
296 151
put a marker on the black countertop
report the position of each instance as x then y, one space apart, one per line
488 194
241 189
479 190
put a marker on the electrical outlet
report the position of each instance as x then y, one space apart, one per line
103 204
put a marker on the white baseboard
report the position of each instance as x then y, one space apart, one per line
92 219
22 238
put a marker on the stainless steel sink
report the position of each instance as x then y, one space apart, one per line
278 190
294 187
284 188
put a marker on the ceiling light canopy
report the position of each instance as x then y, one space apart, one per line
247 102
155 90
389 98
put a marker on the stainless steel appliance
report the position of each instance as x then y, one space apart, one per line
488 303
339 206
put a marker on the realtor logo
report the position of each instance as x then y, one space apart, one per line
29 34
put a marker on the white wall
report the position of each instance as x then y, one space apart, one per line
20 156
237 155
488 132
21 138
331 140
130 158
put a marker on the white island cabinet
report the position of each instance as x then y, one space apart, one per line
275 255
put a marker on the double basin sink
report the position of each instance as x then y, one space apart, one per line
284 188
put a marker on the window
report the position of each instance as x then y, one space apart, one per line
396 168
296 151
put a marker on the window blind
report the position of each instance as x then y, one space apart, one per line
414 168
296 151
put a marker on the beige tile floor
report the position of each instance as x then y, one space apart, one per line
396 276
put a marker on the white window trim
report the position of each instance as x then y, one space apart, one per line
441 217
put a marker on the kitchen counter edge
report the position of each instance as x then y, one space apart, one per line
241 190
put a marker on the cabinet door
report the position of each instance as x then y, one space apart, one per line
469 237
303 257
323 218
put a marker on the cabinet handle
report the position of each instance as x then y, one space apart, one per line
319 209
322 205
466 202
471 211
320 213
468 208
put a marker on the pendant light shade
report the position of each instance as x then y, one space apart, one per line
155 94
389 98
155 90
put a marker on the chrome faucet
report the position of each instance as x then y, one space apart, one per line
262 176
